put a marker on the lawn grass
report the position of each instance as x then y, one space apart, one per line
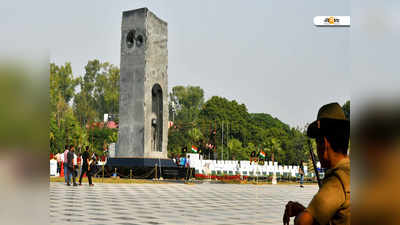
110 180
113 180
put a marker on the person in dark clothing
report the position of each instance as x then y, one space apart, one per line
71 166
92 168
85 166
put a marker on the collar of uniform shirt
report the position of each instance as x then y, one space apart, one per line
342 163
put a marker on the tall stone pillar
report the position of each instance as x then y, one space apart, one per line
143 106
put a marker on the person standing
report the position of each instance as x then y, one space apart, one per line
331 204
58 158
71 166
182 161
173 158
177 160
92 168
79 164
85 166
187 165
301 172
76 167
65 154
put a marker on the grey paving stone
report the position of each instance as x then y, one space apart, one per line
173 203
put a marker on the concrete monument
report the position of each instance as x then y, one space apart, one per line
143 107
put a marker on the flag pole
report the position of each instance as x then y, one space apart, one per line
222 140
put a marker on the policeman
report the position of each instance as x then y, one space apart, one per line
331 204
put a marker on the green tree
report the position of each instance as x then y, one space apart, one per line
83 108
85 102
266 121
273 146
195 135
237 151
186 102
220 111
64 131
176 140
62 84
99 92
100 136
106 92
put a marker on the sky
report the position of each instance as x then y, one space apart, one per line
265 54
374 54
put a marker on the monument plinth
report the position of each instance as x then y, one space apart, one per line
143 107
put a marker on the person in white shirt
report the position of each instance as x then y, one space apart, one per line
75 159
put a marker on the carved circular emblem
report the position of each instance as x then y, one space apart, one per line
139 40
134 39
130 39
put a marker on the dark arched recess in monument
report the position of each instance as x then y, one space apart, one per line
157 123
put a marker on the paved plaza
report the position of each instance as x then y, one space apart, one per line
173 203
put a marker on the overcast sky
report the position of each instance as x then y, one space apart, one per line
265 54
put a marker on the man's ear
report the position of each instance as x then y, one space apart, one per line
327 144
327 147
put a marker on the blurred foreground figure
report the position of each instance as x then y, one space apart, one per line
331 205
376 141
24 139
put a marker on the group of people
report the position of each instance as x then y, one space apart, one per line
181 160
184 162
76 164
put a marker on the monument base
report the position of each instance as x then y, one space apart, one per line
140 162
144 168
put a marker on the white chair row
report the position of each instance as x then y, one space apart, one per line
244 166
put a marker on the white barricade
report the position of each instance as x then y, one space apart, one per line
285 169
232 167
53 167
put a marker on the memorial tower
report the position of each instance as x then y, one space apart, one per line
143 106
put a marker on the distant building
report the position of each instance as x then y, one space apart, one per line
109 124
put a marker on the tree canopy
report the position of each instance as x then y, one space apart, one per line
78 104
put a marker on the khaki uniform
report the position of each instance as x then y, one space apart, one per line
331 205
